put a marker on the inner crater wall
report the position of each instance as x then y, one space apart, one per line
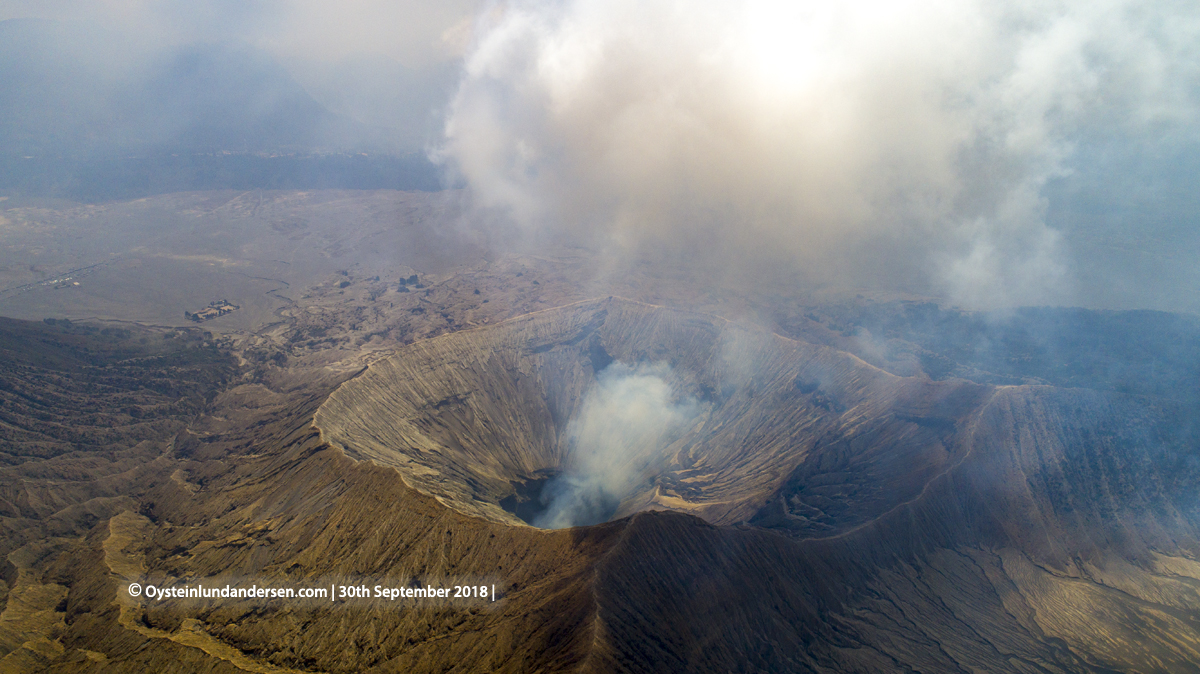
475 417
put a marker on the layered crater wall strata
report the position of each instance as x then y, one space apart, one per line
479 419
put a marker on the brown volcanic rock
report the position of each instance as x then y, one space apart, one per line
939 583
907 524
941 524
322 518
470 416
85 415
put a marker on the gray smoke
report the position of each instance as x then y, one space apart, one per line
893 144
624 423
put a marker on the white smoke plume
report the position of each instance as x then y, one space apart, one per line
625 421
901 143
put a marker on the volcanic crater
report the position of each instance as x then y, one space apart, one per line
480 419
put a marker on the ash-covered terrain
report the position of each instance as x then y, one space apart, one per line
655 469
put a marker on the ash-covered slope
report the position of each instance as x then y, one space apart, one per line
85 414
950 580
896 524
473 417
887 522
1065 540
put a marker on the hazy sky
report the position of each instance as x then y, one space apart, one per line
416 33
994 152
386 64
870 142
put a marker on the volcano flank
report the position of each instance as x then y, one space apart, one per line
754 497
933 497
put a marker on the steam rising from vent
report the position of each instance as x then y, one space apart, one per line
896 144
624 423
